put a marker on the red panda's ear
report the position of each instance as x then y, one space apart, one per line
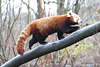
70 13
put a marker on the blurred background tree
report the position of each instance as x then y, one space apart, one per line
16 14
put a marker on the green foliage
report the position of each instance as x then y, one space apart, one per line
82 46
74 51
62 53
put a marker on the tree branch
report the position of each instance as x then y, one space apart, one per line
51 47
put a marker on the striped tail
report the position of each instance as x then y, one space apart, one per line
20 44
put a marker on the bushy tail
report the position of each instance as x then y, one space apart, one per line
20 44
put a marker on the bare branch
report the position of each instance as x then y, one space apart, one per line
29 7
13 24
51 47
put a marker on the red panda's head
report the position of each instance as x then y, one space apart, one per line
73 18
72 22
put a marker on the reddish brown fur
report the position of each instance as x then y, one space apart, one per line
41 26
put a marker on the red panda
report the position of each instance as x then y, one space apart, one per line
41 28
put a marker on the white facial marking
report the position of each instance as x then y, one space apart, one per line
75 16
